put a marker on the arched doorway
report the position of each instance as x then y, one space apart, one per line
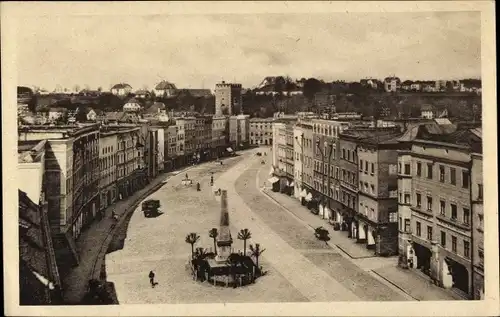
459 274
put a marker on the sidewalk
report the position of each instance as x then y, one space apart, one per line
414 285
90 244
339 239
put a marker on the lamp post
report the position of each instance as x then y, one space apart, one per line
323 174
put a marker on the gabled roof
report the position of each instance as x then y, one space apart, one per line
427 108
133 100
155 107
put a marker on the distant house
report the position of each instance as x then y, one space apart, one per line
56 113
369 82
427 112
93 114
406 85
132 106
392 84
113 117
440 85
121 89
416 86
155 108
142 94
165 89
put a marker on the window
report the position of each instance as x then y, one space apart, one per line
466 215
360 165
453 176
407 169
441 173
419 169
407 198
419 229
465 179
399 168
407 225
419 200
366 167
372 189
393 217
429 233
466 249
453 243
453 212
443 239
442 207
373 168
343 153
429 170
480 254
429 203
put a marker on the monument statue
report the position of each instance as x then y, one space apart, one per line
224 239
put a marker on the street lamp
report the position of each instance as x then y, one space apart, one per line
323 174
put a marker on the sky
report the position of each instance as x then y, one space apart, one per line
197 51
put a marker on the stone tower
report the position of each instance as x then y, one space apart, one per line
228 99
224 240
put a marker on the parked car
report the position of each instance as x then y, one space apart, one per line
151 208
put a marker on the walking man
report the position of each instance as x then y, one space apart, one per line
152 278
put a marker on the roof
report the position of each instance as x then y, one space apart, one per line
114 116
57 109
121 86
141 92
165 85
387 79
133 100
375 136
155 107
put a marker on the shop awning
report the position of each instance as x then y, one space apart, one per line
309 197
273 180
292 184
229 149
303 193
271 171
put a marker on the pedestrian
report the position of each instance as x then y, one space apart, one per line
187 176
152 278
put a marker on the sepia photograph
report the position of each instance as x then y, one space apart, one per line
250 158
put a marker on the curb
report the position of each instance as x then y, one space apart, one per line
96 269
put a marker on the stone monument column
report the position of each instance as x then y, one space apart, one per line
224 239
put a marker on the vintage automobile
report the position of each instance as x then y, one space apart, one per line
151 208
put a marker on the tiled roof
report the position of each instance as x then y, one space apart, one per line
427 108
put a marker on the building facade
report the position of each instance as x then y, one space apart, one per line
261 131
228 99
439 240
127 161
220 135
108 146
477 225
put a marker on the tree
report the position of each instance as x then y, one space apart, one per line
311 87
256 252
244 235
214 233
192 238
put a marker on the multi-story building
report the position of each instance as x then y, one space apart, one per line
326 167
161 149
220 135
189 125
377 214
108 146
438 203
348 179
228 99
306 127
261 131
71 182
171 148
392 84
181 142
477 225
203 137
128 160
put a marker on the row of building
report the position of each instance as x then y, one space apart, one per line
413 190
72 173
